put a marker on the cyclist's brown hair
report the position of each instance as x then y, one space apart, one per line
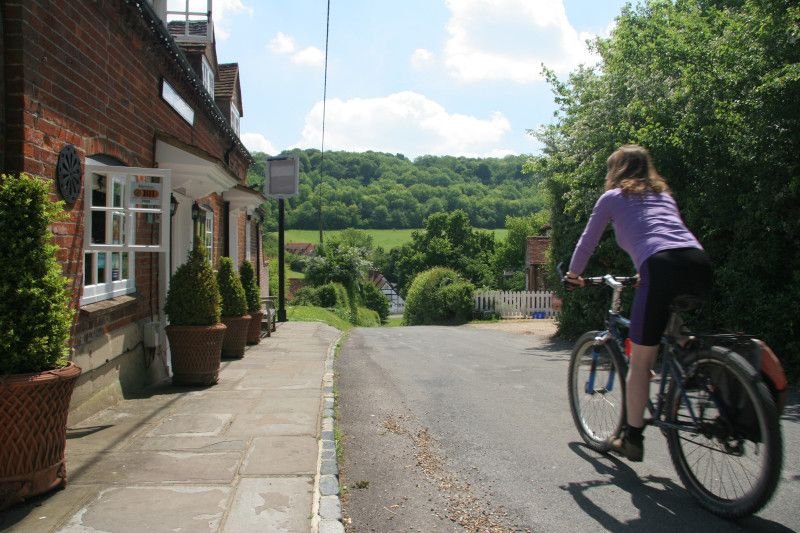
631 169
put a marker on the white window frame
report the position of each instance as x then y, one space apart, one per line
208 230
124 242
208 76
248 237
188 16
235 118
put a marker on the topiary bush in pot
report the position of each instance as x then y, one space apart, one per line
234 310
195 332
36 377
252 293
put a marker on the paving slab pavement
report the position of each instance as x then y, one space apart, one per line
243 455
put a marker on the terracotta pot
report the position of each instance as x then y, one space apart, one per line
33 432
195 353
236 336
254 332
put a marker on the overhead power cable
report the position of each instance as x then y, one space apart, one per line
324 106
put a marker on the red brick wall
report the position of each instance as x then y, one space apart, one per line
89 74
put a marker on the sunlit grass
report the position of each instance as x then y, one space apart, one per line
385 238
302 313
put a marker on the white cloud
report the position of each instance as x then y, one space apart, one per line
256 142
509 40
404 122
221 9
309 56
282 44
421 58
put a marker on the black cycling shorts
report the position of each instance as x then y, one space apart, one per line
662 277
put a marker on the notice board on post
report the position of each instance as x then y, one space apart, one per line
283 177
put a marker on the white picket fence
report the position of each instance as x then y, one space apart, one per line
515 304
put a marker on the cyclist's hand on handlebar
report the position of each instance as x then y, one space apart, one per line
572 281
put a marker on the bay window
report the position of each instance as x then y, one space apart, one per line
126 211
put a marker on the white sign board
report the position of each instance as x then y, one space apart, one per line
283 177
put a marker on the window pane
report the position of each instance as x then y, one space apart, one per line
98 227
88 266
119 191
117 228
146 192
148 229
198 6
125 265
116 266
101 267
98 190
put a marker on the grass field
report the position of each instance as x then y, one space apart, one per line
385 238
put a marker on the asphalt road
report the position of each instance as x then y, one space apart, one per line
464 429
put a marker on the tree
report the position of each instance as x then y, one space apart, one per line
446 240
712 89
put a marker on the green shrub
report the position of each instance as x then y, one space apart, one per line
342 298
367 318
307 296
35 317
247 275
326 295
438 296
193 298
234 302
374 299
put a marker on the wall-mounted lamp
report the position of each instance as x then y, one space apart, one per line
195 211
173 205
249 217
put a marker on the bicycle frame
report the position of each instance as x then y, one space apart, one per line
671 368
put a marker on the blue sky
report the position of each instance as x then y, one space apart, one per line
443 77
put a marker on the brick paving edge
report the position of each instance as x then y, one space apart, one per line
327 506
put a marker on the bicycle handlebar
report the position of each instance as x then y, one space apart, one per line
615 282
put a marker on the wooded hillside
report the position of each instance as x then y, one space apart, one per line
378 190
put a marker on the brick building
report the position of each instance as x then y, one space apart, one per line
122 104
536 262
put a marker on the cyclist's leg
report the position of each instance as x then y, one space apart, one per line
649 316
638 382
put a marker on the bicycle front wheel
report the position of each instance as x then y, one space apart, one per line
728 449
596 389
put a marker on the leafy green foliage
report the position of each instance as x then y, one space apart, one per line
438 296
509 254
35 317
712 89
247 275
447 240
303 313
367 318
376 190
233 299
193 298
374 299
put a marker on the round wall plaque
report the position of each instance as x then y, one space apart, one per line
68 174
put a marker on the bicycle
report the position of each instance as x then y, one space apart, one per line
718 415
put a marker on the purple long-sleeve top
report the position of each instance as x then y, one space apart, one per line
644 224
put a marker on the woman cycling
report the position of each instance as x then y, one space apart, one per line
669 259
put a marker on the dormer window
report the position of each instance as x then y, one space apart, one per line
208 77
235 119
186 20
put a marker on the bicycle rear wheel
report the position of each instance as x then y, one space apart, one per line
596 389
729 454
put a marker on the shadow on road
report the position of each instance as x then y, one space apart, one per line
663 505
